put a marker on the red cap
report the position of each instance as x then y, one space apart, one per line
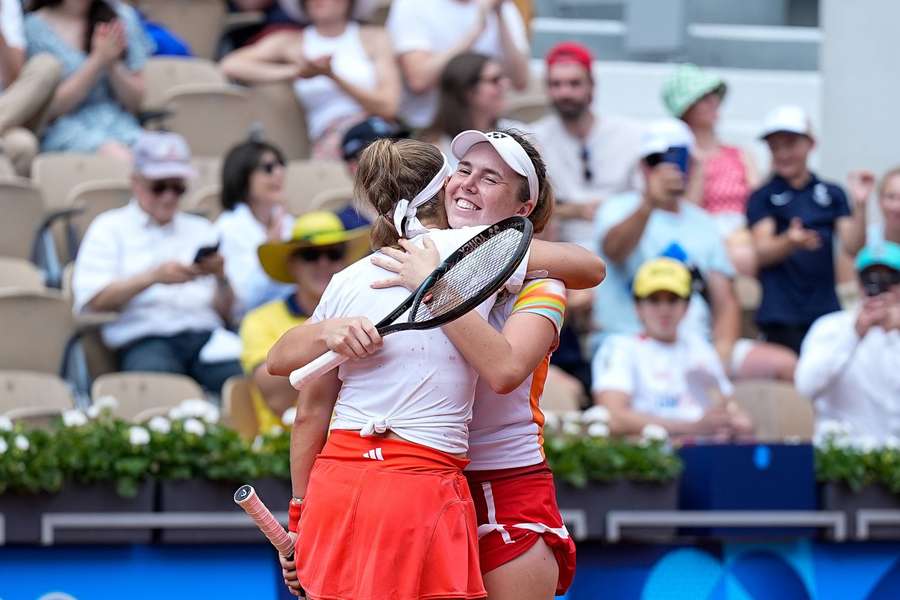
570 52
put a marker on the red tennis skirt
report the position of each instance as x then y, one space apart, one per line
515 509
385 519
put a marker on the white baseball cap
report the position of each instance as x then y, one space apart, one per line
512 153
662 134
162 155
789 118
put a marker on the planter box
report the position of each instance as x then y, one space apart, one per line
598 498
23 514
200 495
838 496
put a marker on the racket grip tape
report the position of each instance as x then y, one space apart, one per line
246 498
325 363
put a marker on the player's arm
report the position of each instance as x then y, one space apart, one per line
315 405
353 337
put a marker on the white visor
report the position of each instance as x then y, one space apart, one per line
512 153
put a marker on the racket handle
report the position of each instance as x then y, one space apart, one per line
325 363
246 498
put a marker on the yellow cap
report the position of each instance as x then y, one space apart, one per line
662 275
319 228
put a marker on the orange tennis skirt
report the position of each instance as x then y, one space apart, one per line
386 519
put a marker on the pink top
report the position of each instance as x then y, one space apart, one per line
725 186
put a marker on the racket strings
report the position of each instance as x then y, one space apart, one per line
468 277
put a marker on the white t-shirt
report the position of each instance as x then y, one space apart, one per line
438 25
418 385
123 242
506 430
613 151
240 235
11 25
671 381
852 380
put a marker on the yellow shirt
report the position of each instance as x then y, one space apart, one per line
260 329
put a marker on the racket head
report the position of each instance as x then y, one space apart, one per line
469 276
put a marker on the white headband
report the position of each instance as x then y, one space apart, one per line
405 220
511 151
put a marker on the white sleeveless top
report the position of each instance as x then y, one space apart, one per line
507 429
320 96
418 385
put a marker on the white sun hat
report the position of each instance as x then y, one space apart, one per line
362 9
512 153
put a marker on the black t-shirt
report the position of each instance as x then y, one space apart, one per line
800 289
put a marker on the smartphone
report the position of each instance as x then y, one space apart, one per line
205 251
878 281
678 156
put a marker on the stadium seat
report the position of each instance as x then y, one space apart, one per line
137 392
95 197
211 117
528 108
37 330
333 199
283 120
198 22
23 213
21 276
237 407
36 398
163 73
777 410
205 202
562 393
6 168
56 173
209 172
305 179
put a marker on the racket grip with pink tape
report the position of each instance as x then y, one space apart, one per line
246 498
325 363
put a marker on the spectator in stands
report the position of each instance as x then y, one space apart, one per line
427 35
664 376
472 96
850 360
321 244
364 133
589 157
253 213
157 267
342 71
274 18
729 174
633 228
102 48
25 89
860 185
794 217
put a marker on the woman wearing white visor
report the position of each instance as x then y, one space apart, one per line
525 550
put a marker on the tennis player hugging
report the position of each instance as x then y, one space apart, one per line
432 483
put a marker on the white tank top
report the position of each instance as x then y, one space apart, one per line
320 96
507 429
418 385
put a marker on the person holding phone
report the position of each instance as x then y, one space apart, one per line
850 360
633 228
160 270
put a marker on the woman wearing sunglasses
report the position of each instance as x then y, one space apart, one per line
253 213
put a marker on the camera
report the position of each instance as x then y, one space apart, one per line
878 281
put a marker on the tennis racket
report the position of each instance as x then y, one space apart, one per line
246 498
464 280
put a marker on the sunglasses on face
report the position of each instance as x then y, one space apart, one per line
161 186
312 254
269 167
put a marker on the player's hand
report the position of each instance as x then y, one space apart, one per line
412 264
353 337
289 571
802 238
860 184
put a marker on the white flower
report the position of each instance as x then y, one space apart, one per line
829 430
570 428
74 418
21 443
6 423
866 443
3 446
654 433
598 430
159 424
287 417
195 408
194 426
595 414
257 445
552 420
93 411
106 403
138 436
571 416
892 443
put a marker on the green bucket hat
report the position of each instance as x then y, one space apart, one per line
688 84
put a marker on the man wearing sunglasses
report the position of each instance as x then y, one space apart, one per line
322 243
160 270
